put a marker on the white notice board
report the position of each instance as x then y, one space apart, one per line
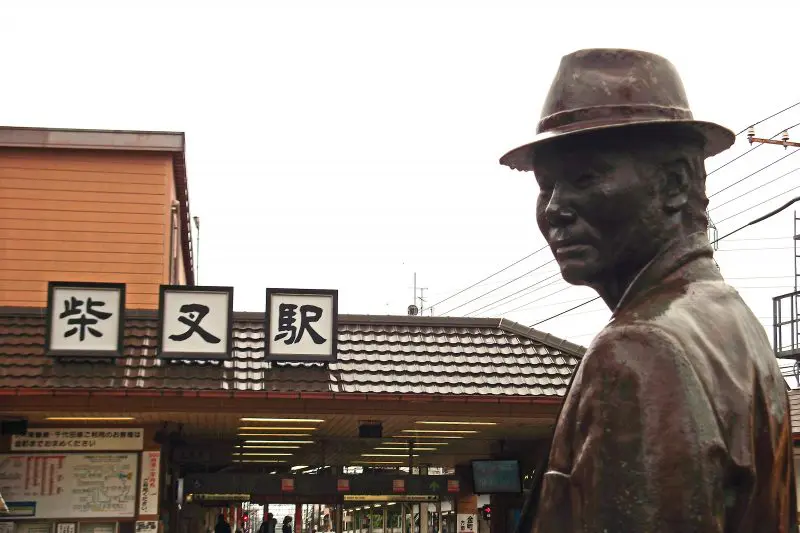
70 485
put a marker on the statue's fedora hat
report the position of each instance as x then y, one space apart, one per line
599 89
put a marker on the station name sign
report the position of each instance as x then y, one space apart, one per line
87 320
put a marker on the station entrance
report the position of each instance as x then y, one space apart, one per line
366 503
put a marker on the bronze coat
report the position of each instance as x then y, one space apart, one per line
677 419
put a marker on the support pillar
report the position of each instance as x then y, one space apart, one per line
298 519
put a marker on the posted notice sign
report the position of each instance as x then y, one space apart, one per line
79 440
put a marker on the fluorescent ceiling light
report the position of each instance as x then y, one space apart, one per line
274 434
260 428
279 442
299 467
395 449
269 447
429 437
386 455
308 420
464 431
263 454
90 418
272 461
453 423
377 462
406 445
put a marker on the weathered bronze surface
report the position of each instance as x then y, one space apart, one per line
677 419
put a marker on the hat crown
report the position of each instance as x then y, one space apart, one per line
604 84
600 89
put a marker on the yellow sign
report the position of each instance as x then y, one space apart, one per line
217 497
390 498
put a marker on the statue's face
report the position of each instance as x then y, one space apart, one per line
598 209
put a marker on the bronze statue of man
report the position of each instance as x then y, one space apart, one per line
677 418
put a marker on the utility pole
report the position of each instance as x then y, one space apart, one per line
421 299
786 331
785 142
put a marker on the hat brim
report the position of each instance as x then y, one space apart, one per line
717 139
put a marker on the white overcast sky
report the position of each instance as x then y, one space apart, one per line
345 144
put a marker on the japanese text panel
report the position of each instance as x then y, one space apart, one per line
196 321
85 318
301 325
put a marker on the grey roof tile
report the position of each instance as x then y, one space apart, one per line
377 354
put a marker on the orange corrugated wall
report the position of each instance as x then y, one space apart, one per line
69 215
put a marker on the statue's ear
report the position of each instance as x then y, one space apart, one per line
676 178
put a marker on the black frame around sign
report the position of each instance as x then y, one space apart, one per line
308 358
163 289
99 354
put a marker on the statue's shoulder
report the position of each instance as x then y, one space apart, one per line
632 349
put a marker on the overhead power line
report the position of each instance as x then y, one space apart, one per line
751 223
770 182
737 182
769 117
492 305
509 282
518 261
756 147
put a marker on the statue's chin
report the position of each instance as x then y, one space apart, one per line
578 273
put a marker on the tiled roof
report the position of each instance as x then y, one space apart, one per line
377 354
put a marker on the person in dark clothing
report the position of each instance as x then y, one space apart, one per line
268 525
222 526
287 525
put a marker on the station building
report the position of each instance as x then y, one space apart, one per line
393 423
400 424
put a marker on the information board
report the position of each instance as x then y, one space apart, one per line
67 485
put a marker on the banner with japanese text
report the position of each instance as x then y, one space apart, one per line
79 439
148 497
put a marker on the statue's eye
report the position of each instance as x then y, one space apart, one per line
585 180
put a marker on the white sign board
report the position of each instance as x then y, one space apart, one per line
301 325
195 322
146 526
467 523
148 492
79 440
85 319
66 527
71 485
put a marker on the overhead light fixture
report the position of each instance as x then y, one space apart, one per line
270 447
377 462
405 444
395 449
263 454
274 434
90 418
279 442
260 428
460 431
271 461
450 437
454 423
307 420
387 455
299 467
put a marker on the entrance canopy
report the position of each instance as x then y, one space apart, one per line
444 390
